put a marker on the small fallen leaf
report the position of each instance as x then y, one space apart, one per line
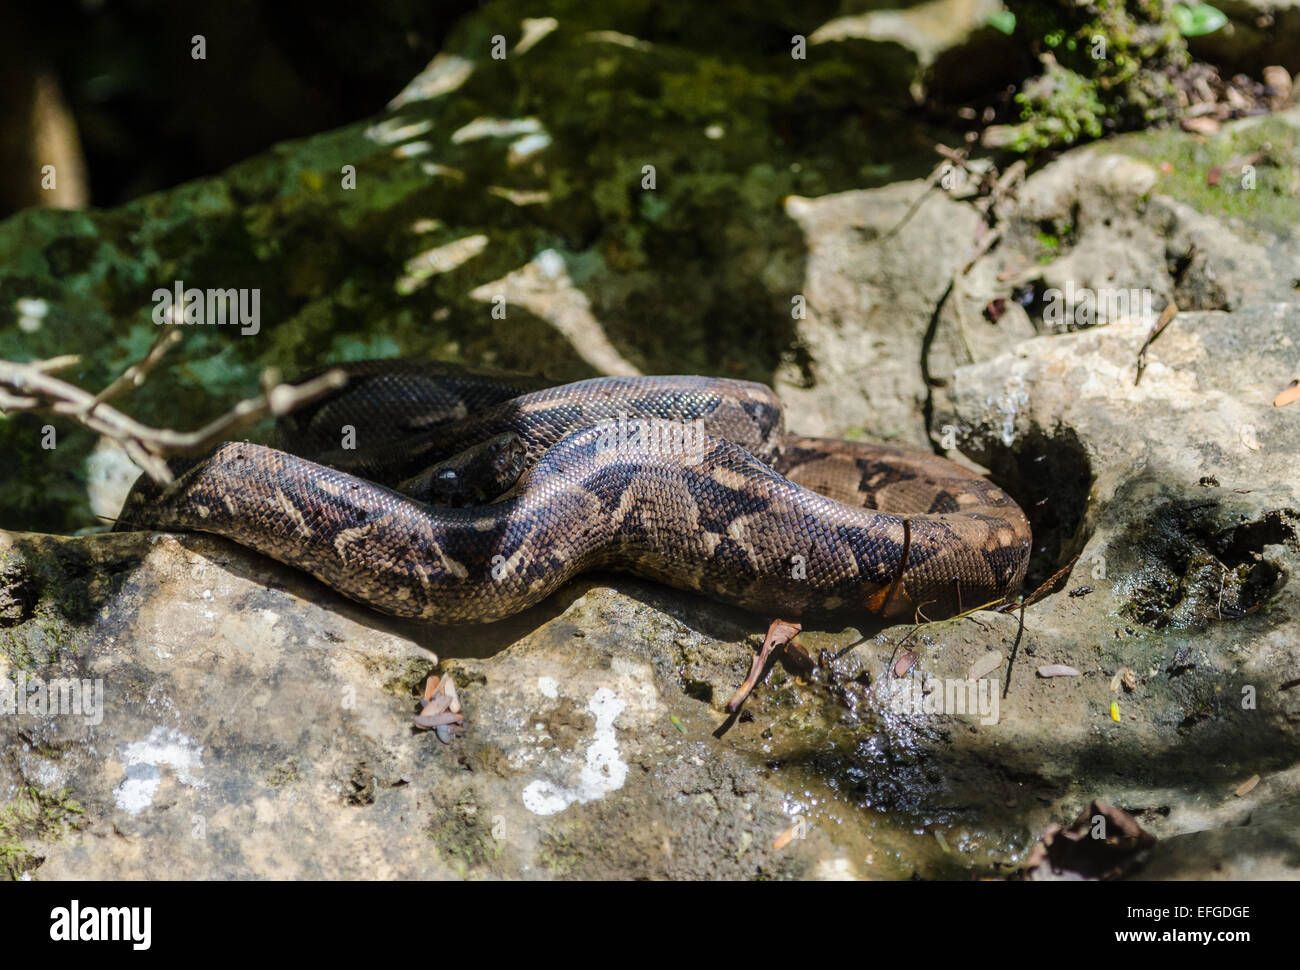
677 723
784 839
1057 670
985 665
906 662
1114 711
1247 786
1204 125
1129 679
1279 79
1288 396
1074 852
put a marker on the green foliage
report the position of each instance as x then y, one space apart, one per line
1261 202
1003 20
1107 65
1196 19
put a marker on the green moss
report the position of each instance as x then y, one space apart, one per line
34 816
1107 65
50 597
560 853
1259 202
285 773
463 837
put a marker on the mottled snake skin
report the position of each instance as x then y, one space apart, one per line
691 481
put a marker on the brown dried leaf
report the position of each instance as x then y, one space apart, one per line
1288 396
1247 786
784 839
1203 125
905 663
1104 842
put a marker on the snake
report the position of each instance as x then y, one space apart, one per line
452 496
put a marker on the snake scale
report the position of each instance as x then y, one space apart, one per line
468 497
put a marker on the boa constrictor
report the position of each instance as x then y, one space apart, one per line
469 497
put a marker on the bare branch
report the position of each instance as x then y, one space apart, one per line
31 387
134 375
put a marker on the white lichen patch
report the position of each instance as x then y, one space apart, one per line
496 128
31 313
143 762
391 131
445 73
522 149
440 259
533 30
603 771
1014 397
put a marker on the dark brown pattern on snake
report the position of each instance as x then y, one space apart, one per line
731 507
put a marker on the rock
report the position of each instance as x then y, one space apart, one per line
1185 515
870 295
241 721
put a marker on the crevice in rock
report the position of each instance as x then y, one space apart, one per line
930 381
1048 473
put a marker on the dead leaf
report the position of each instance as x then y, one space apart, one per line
1057 670
905 663
984 665
1279 79
1166 316
1104 842
1203 125
1247 786
1288 396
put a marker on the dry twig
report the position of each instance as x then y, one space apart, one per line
31 387
1166 316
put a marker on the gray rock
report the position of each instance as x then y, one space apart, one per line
1185 514
252 724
